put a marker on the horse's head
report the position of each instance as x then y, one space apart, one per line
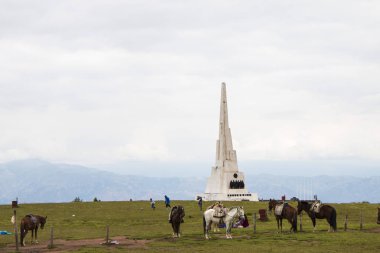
241 213
43 221
178 211
271 204
303 206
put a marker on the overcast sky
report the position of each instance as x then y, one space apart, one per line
101 82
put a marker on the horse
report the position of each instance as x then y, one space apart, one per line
378 215
31 222
288 212
208 219
177 214
326 212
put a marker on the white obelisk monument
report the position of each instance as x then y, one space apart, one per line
226 181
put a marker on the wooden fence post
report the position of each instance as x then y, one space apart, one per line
301 223
254 223
15 228
108 234
345 223
361 220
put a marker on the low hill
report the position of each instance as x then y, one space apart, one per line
39 181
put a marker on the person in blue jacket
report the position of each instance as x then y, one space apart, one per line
167 201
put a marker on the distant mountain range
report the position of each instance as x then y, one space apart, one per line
40 181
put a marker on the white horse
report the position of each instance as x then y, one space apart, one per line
208 219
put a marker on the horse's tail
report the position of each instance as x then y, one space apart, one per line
333 218
204 225
294 223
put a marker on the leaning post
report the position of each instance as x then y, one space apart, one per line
345 223
301 223
15 228
254 223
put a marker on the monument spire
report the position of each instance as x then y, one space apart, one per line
224 147
226 181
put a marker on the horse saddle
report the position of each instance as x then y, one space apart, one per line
316 207
32 218
219 212
278 209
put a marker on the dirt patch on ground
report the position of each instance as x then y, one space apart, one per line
69 245
375 230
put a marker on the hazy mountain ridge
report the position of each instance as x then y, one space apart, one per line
39 181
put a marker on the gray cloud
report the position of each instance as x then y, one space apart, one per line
99 82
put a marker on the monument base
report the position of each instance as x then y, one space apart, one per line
229 197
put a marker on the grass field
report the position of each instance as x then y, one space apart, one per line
136 220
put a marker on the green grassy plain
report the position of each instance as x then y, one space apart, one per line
136 220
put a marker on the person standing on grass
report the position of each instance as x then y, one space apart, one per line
200 203
167 202
152 204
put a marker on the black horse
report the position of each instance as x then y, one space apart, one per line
176 218
378 215
31 222
326 212
288 212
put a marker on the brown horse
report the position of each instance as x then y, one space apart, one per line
326 212
31 222
378 215
176 218
288 212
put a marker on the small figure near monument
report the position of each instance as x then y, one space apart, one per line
176 215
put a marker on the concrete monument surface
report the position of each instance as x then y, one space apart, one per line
226 181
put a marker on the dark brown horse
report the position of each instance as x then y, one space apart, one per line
176 218
288 212
326 212
31 222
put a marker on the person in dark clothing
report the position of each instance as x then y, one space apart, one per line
152 204
200 203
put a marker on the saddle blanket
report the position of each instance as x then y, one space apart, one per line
219 214
32 218
316 207
278 209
